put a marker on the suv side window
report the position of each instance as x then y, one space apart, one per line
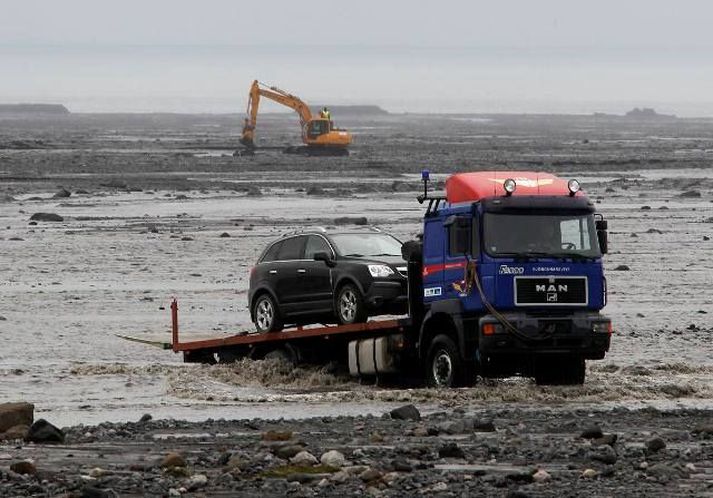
292 248
316 244
271 254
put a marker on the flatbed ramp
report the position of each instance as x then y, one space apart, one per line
254 345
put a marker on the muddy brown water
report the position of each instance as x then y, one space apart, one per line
68 289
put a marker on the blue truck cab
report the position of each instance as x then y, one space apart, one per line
512 279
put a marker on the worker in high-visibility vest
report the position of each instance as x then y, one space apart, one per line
325 114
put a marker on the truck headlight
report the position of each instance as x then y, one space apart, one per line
493 329
601 327
380 271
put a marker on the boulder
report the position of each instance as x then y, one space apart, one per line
655 444
370 475
15 432
46 217
406 412
288 451
304 458
173 459
277 435
333 458
451 450
541 476
589 473
196 482
14 414
23 467
592 432
44 432
62 193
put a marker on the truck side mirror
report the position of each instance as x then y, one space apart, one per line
323 256
602 235
603 238
458 234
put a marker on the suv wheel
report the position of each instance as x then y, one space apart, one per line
266 315
350 305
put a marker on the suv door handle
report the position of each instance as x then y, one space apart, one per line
272 272
301 270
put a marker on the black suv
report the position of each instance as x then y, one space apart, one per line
316 276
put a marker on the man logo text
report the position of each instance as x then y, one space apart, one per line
551 288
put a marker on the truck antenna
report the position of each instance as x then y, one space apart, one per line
425 177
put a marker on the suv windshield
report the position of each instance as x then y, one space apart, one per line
367 244
540 235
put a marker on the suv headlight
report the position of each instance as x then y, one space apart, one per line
380 271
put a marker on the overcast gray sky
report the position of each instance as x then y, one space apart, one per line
439 56
553 23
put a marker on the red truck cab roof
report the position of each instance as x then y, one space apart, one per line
472 187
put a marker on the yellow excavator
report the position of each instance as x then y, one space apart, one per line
319 134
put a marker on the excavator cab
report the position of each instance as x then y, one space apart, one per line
318 127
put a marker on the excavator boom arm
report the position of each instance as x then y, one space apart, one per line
258 90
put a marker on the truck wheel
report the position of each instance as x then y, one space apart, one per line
444 367
266 315
567 371
350 305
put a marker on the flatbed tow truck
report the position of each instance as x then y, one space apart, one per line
507 280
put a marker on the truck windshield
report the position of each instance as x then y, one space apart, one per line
523 235
367 244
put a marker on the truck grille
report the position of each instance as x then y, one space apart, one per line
551 291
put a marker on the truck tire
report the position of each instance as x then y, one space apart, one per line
350 306
564 371
266 314
444 367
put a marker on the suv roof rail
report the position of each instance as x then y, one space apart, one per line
305 230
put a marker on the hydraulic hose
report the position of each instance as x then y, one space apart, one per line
471 275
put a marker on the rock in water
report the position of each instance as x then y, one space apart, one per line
591 432
173 459
655 444
406 412
62 194
46 217
44 432
24 467
333 458
483 426
146 417
451 450
13 414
